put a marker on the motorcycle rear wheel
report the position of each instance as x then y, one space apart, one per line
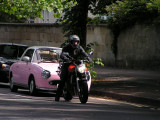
83 95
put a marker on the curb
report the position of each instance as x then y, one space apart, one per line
128 98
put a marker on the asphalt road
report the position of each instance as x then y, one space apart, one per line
22 106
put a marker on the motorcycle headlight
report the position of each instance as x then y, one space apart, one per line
81 68
46 74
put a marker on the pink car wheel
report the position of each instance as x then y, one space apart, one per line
32 87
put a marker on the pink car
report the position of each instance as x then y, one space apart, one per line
36 70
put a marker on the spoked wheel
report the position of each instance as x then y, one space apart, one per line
13 87
83 95
66 94
32 87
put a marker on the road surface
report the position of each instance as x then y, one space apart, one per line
22 106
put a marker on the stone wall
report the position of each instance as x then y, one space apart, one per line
137 47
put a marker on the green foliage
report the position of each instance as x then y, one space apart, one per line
154 4
96 20
125 13
89 46
98 7
23 9
96 61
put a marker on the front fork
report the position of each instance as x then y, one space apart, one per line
77 80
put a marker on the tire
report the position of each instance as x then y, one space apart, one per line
66 94
83 95
32 87
13 87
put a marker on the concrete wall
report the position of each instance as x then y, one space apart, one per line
32 34
103 36
137 47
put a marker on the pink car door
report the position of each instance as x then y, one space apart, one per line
23 73
24 68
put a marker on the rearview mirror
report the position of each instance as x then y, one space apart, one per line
26 59
90 53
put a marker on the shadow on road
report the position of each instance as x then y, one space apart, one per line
26 92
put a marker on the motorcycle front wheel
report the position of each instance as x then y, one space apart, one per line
83 95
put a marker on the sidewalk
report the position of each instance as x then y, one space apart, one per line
135 86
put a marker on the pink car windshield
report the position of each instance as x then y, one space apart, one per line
48 55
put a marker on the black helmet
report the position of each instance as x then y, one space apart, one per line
74 38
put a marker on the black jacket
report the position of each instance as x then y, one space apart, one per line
73 52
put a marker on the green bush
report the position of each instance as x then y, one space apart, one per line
96 61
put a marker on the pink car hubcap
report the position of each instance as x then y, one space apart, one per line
31 86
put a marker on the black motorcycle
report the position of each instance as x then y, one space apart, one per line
79 80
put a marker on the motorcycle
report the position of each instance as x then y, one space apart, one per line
79 80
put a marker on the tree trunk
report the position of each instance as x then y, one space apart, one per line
82 21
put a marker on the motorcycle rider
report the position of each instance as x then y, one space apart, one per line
75 51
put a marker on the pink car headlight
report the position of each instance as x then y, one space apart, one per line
46 74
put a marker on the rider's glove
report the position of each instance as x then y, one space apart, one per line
67 60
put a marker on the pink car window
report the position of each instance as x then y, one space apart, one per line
48 55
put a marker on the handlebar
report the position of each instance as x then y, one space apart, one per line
76 61
71 59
